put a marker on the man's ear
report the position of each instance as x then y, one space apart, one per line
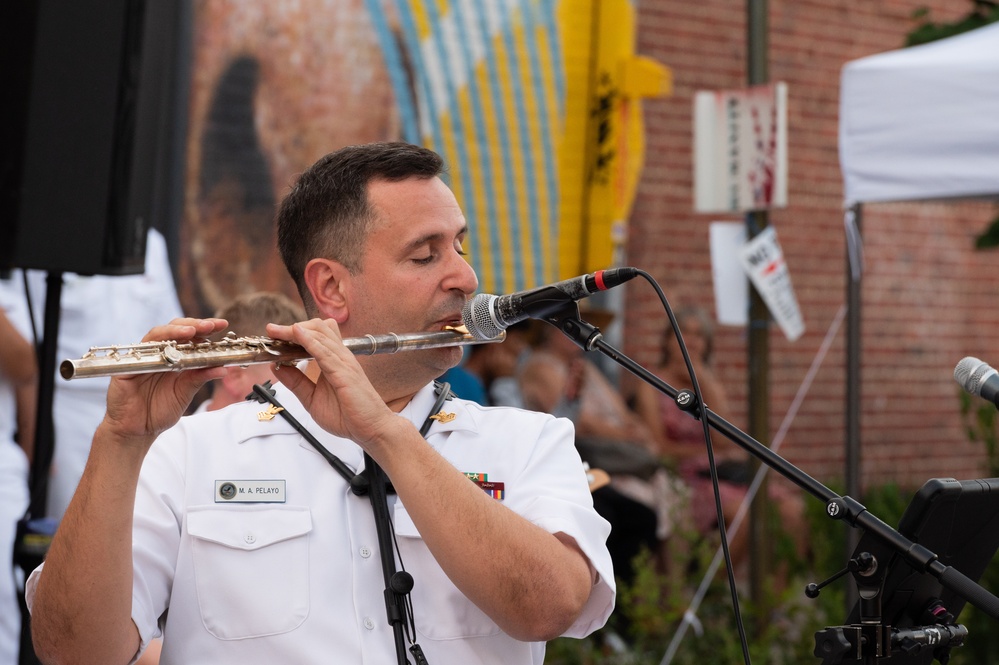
326 280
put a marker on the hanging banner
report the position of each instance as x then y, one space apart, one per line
740 149
763 260
603 147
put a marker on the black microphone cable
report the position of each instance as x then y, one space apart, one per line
698 411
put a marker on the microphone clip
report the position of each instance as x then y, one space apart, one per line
567 319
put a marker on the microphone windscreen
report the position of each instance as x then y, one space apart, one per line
478 317
969 374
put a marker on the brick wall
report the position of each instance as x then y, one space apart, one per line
928 296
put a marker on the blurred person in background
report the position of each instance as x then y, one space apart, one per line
643 502
680 438
97 310
18 381
248 316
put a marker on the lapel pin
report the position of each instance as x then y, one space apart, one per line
269 413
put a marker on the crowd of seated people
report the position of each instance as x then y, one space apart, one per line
654 453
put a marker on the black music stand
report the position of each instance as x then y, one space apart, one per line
959 521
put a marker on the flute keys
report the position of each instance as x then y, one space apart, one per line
171 355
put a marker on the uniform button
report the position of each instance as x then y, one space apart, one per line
250 538
368 623
365 552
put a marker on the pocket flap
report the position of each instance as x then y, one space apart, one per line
403 523
249 528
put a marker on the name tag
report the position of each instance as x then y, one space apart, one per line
249 491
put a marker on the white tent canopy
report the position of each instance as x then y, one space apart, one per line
922 122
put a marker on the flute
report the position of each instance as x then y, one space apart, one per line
173 356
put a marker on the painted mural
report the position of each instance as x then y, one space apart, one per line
534 105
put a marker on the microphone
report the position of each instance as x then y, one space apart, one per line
486 316
978 379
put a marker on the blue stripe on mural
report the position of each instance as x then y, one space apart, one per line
537 84
412 37
523 139
503 129
396 71
464 166
488 220
551 167
555 44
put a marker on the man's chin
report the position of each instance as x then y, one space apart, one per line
450 356
424 365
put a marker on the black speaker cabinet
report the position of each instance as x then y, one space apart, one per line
87 166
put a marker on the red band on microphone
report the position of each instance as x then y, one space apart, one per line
598 277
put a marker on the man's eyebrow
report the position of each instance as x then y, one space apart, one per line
431 237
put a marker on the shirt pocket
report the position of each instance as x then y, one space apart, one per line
440 610
251 568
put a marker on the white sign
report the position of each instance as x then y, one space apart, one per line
763 261
740 149
728 276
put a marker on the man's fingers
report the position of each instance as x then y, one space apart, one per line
185 329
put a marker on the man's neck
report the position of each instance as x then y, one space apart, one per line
397 405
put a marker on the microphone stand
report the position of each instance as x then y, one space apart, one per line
870 640
397 584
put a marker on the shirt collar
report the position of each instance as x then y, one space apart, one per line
250 427
454 413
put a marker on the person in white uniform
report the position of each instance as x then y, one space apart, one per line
97 310
232 538
18 375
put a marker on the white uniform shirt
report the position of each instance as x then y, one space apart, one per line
299 580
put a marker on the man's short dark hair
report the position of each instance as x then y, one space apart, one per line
327 213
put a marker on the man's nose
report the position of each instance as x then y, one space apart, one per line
462 276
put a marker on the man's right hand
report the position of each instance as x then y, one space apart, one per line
144 405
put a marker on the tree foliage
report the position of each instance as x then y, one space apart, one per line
982 13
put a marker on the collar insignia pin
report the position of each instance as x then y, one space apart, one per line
444 417
269 413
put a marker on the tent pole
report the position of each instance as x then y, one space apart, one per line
854 273
760 550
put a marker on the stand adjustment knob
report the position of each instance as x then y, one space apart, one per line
831 645
686 400
836 509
